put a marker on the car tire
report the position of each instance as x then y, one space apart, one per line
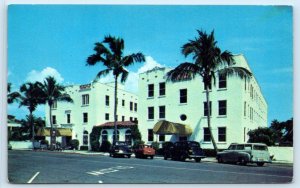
198 160
165 157
260 164
220 160
128 156
181 158
152 157
242 161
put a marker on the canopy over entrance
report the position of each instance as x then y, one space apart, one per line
164 127
60 132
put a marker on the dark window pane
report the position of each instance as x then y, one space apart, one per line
162 88
162 112
150 90
150 112
150 134
162 138
222 134
207 137
222 107
183 96
222 82
206 108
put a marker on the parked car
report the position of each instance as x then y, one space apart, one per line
166 149
245 153
144 151
185 150
120 149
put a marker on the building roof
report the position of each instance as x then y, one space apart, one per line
119 123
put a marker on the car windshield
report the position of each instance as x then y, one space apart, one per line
194 144
258 147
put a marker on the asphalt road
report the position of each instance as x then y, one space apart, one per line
54 167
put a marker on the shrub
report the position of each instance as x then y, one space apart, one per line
84 148
74 144
155 145
137 143
105 146
95 145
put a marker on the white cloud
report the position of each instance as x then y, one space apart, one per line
149 64
34 75
131 83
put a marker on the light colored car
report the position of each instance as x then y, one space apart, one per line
245 153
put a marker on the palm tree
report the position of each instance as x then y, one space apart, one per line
30 98
11 96
209 61
110 53
52 92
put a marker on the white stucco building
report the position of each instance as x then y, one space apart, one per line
237 106
93 104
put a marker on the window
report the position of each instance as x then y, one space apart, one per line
131 106
182 138
54 120
183 117
222 134
150 134
222 81
85 100
135 107
54 105
183 95
123 118
151 112
162 89
128 138
107 116
162 112
150 90
222 107
206 134
106 100
135 119
206 108
85 138
123 102
68 118
161 138
104 136
130 119
85 117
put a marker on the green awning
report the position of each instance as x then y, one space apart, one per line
164 127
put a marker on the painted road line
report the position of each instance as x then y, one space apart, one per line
33 177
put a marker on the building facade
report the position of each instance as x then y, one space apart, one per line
93 104
237 106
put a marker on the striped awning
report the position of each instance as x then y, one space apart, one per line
59 132
164 127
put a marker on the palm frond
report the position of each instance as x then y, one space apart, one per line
185 71
115 44
124 75
235 71
93 59
130 59
102 73
65 98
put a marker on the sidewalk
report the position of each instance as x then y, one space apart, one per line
84 152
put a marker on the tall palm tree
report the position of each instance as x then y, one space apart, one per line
110 53
11 96
51 92
209 61
30 98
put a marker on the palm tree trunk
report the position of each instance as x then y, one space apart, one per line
32 127
51 129
208 119
115 109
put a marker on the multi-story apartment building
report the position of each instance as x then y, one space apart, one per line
237 106
93 104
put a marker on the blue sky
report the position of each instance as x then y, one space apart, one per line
57 39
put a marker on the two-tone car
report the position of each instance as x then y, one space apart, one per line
245 153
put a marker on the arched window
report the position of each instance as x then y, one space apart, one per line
128 137
85 139
104 135
118 133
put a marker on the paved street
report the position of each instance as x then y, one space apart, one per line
58 167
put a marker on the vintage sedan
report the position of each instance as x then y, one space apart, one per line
245 153
144 151
120 149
